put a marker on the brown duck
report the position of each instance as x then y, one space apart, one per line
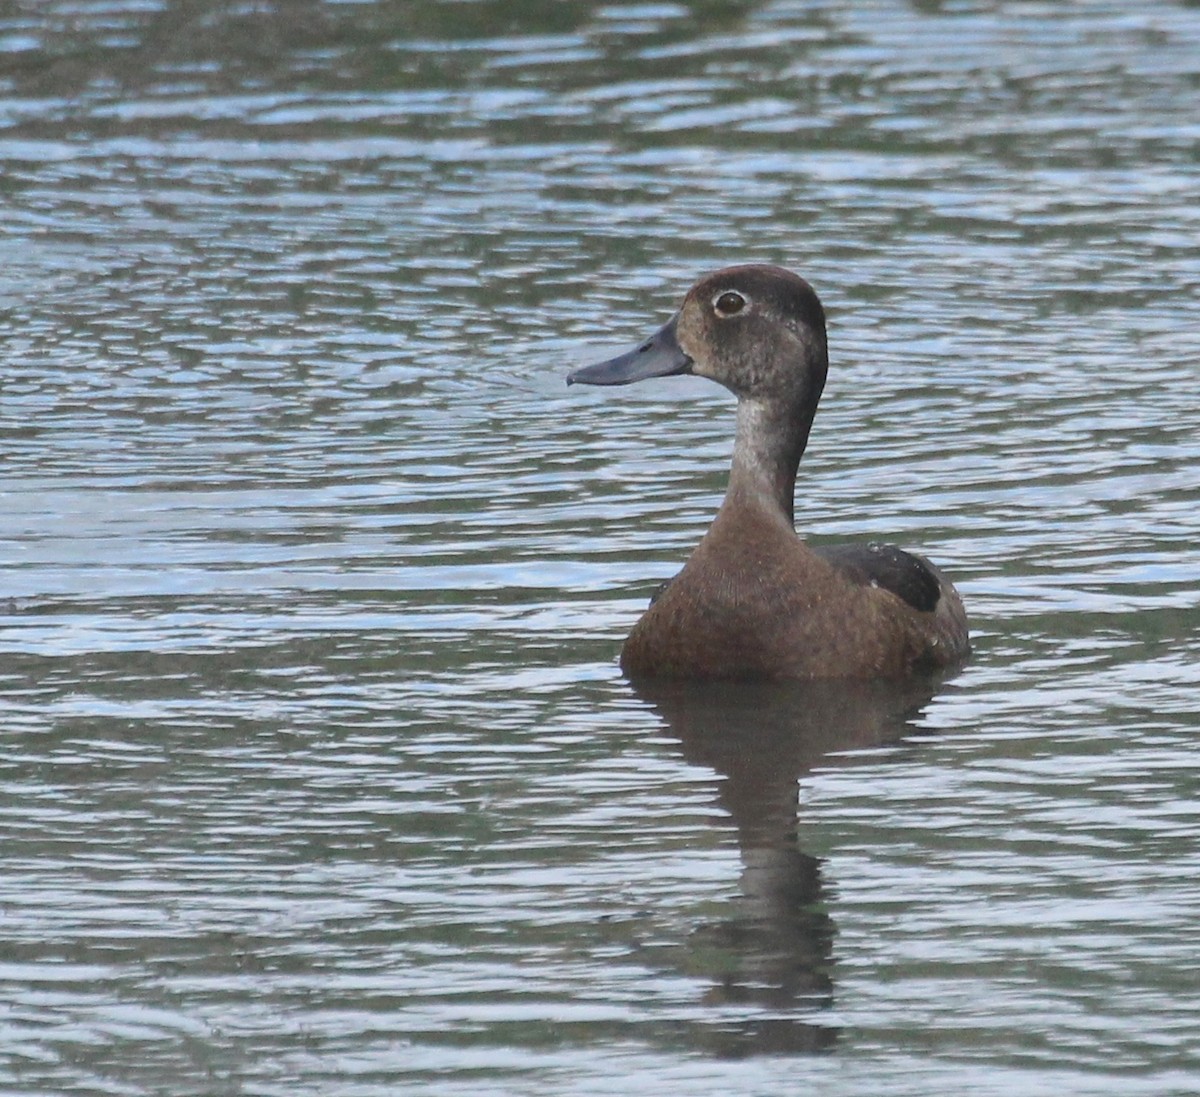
754 601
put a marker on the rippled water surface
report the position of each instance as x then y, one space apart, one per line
318 775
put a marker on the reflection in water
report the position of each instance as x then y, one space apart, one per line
776 953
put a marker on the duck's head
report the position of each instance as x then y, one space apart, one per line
758 330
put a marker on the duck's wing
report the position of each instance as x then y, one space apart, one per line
910 577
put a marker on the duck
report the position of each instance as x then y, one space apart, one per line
755 601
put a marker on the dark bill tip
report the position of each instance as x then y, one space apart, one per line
658 356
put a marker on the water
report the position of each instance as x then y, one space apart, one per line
318 774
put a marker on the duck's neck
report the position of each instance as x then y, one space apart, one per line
766 453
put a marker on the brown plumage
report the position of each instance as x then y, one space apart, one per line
754 601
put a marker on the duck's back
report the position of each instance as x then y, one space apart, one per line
755 602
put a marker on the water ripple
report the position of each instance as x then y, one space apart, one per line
319 775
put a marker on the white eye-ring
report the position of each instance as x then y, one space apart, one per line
728 303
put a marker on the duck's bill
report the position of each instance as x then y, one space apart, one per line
658 356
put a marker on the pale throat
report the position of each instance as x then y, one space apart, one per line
770 440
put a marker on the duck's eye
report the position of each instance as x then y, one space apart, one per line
729 303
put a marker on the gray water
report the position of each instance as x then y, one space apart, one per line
317 773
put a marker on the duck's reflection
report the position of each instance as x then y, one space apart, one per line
775 954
